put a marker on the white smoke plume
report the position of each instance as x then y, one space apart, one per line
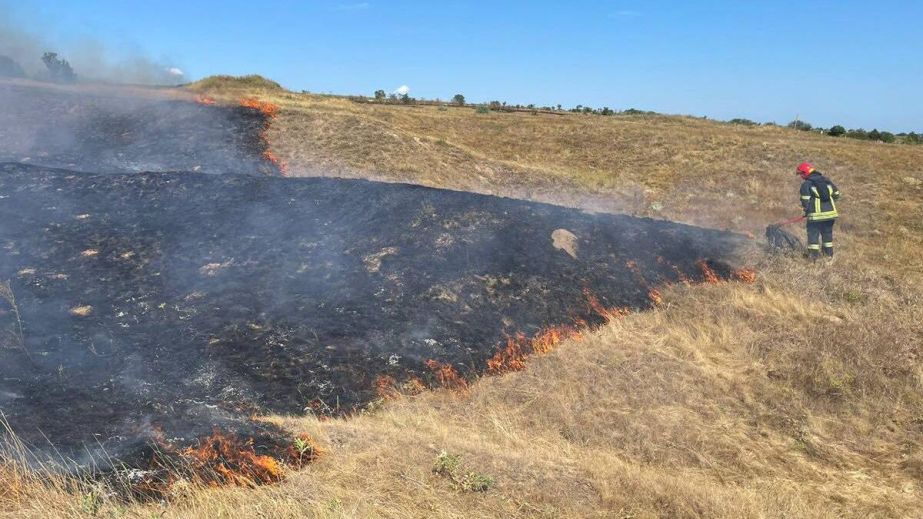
89 58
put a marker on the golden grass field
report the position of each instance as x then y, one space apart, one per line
800 395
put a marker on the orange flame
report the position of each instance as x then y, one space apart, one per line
512 357
707 272
413 386
745 275
283 167
609 314
549 339
386 387
508 358
654 296
205 100
446 375
270 110
224 460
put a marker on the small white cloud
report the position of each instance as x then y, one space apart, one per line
402 90
173 71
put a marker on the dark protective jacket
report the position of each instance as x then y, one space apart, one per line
818 198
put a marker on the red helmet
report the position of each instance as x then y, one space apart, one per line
805 169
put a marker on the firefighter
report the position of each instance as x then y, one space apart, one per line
818 199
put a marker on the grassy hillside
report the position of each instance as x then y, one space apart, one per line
800 395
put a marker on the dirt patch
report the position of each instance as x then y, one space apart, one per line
564 240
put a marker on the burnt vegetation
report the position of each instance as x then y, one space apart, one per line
148 303
187 300
109 134
795 396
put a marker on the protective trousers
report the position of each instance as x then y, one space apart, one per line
820 236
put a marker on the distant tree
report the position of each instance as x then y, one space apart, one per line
380 95
800 125
495 105
9 68
742 122
406 99
857 133
913 138
557 107
606 111
874 135
459 99
887 137
59 70
836 131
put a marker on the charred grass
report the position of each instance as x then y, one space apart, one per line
781 398
799 395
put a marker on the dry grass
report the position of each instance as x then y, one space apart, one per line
800 395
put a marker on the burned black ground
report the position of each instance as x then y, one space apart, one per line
83 131
175 302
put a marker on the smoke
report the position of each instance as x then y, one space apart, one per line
402 90
90 59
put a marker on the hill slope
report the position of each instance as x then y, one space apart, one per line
800 395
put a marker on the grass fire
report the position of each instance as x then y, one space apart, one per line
231 299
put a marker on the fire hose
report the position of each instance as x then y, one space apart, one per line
795 219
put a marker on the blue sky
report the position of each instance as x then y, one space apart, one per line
848 62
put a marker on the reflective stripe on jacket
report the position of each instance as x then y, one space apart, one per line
818 198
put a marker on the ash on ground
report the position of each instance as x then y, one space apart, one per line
176 302
86 131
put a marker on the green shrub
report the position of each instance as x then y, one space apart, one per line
858 133
836 131
450 467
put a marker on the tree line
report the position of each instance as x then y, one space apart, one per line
839 130
380 96
57 69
